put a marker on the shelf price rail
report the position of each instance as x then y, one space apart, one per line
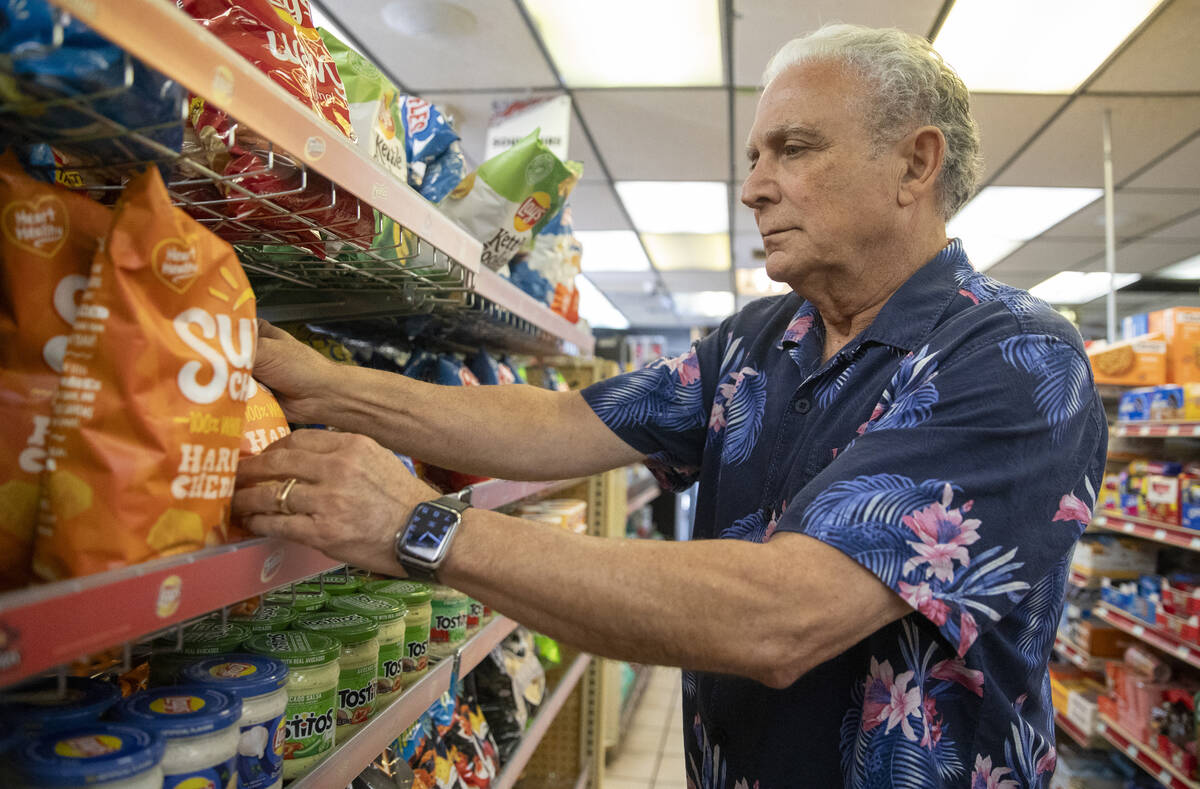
1159 639
1144 756
1157 429
1146 529
47 626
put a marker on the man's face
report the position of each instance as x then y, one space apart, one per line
822 201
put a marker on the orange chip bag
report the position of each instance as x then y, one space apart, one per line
265 424
48 236
148 416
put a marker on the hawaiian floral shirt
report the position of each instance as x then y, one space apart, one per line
954 449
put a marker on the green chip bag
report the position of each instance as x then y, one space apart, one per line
510 197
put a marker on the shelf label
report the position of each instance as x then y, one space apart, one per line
1128 528
271 566
1143 431
314 148
1196 430
1183 651
1160 534
222 85
1195 544
1172 430
1131 751
1100 520
379 191
1101 727
170 594
1164 778
1138 630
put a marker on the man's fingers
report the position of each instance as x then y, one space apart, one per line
278 462
292 527
271 331
264 498
312 441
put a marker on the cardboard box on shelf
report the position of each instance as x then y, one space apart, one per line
1115 557
1166 402
1139 362
1135 404
1100 640
1189 502
1180 326
1162 498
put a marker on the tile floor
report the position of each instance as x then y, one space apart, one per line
651 756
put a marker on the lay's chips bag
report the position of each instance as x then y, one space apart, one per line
148 417
48 237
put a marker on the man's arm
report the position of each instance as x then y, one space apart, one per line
514 432
766 611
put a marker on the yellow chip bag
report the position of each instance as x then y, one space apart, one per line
48 236
147 422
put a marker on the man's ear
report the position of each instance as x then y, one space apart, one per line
921 154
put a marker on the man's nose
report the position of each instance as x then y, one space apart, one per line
759 188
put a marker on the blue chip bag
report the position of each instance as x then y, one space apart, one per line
427 134
514 369
84 64
485 368
528 280
444 174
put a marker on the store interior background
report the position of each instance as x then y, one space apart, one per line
660 115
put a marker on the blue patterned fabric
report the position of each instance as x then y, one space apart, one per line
954 449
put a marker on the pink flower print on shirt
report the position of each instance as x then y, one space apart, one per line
933 723
944 536
955 670
798 328
921 598
1071 508
968 631
1047 763
686 366
985 777
888 699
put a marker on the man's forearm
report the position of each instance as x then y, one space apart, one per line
727 606
514 432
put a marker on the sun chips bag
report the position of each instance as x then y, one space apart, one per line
265 424
48 236
148 415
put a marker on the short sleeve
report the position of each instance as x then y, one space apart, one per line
662 410
971 482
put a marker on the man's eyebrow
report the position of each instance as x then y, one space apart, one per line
776 134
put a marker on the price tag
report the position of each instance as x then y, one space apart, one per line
1128 528
1144 431
1183 651
1172 430
1196 430
1160 534
1100 520
1195 544
1131 751
1138 630
1101 727
1164 778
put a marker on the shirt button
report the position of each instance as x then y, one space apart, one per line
802 406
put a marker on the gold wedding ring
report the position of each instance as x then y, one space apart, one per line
281 498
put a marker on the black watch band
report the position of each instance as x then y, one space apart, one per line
413 543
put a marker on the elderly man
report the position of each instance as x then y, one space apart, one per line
895 461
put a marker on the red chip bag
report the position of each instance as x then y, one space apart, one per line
48 236
148 415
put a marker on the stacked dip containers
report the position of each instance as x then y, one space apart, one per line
96 756
416 598
358 665
199 725
389 615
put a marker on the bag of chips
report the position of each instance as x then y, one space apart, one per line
489 371
507 200
444 174
427 135
48 237
556 256
148 416
265 424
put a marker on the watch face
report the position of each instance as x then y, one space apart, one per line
427 531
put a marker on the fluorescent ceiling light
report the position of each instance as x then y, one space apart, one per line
624 43
676 206
596 309
755 283
1079 287
611 250
708 303
1184 269
1035 46
691 251
1001 218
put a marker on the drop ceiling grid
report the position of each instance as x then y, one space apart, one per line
682 134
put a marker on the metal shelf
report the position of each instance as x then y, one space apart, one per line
496 493
350 757
1157 531
1071 652
1082 580
1144 756
537 730
1158 429
1074 732
56 623
642 495
1155 637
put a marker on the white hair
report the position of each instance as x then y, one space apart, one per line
911 86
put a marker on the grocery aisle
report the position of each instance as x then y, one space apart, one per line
651 756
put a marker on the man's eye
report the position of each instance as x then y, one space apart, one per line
793 150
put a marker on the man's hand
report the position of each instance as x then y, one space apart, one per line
350 498
296 374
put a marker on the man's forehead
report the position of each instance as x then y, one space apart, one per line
805 100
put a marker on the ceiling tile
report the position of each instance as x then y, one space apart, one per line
1044 257
763 26
1165 57
1069 153
1143 257
1179 170
1006 121
1186 229
594 206
683 281
498 53
1018 279
659 135
473 111
1135 213
613 283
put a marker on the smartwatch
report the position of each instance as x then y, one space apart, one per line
422 545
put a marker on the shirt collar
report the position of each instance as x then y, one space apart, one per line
908 316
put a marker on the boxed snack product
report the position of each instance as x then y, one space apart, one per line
1112 556
1100 640
1181 328
48 237
1189 502
1162 498
147 422
1139 362
1110 493
510 197
1166 402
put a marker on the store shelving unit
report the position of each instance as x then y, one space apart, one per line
1156 531
1082 580
642 494
1074 732
1071 652
1157 429
1156 637
1144 756
541 723
349 758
